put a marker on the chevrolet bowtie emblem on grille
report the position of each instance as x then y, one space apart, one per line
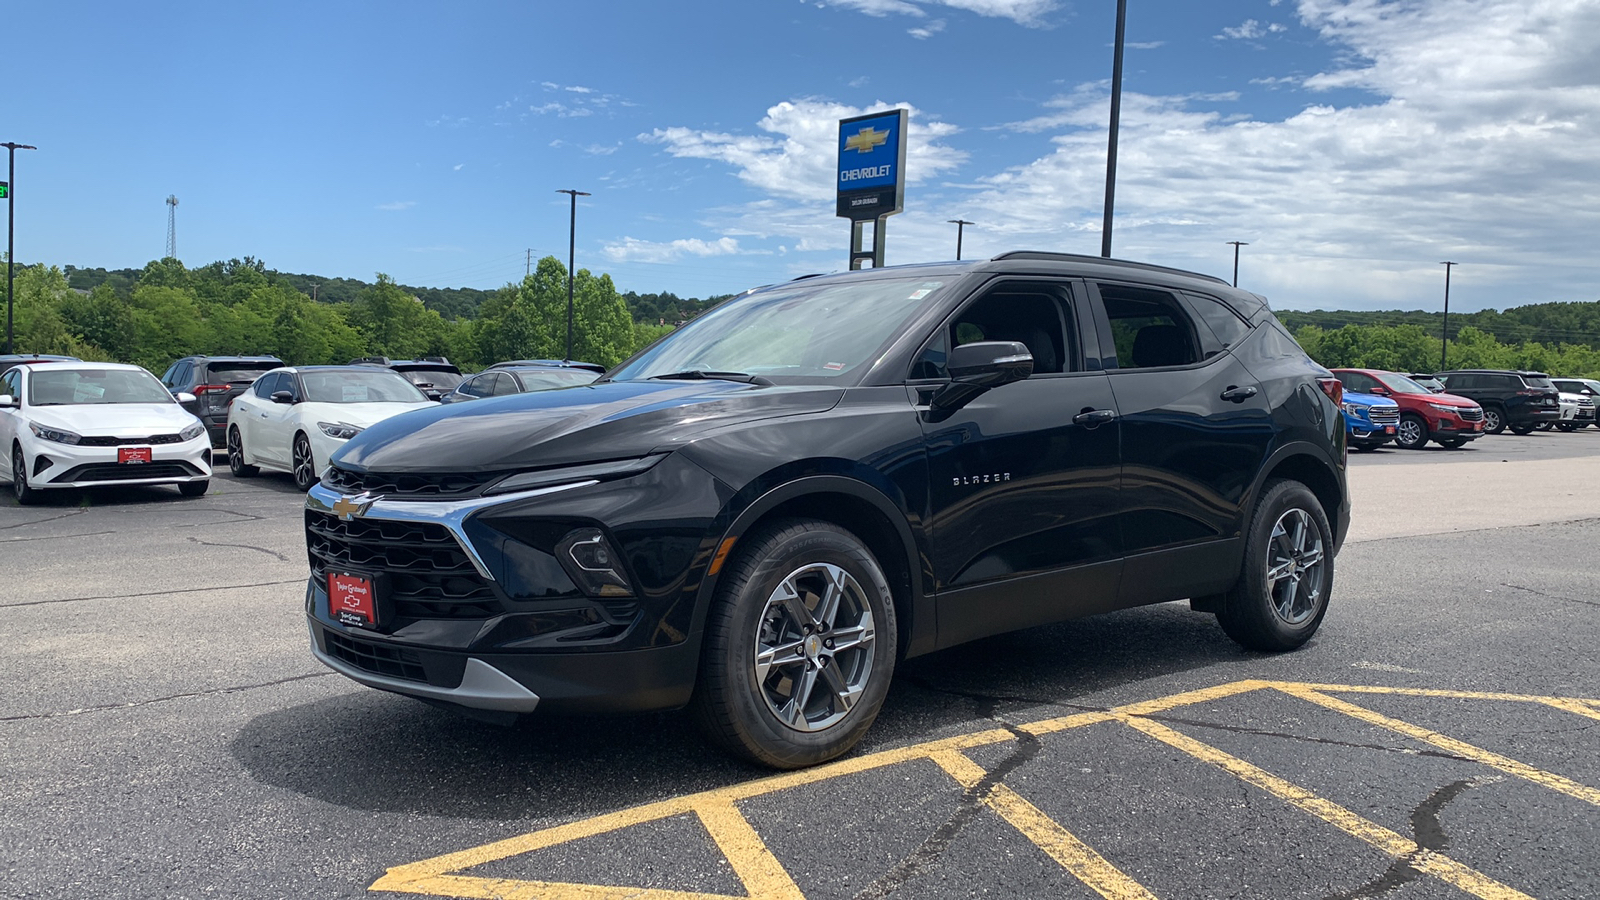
864 140
348 508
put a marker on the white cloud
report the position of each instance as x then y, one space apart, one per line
1143 45
635 250
1250 30
396 206
923 32
797 160
457 167
1024 12
601 149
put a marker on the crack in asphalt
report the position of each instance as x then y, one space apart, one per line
280 556
1518 587
54 537
1428 833
220 587
234 689
967 809
76 512
1328 742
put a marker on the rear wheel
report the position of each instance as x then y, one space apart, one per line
1494 420
1282 592
236 463
1568 426
20 489
305 466
799 646
1411 433
1522 429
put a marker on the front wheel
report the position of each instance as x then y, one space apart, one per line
1494 421
799 646
1522 429
194 488
1567 426
1412 433
1454 443
1282 592
305 466
25 494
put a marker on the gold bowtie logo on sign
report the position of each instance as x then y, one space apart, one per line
864 140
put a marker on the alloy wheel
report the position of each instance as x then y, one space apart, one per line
1294 567
1409 433
305 473
814 647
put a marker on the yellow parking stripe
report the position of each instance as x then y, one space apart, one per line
1578 707
762 874
1436 864
1074 855
1449 744
1423 692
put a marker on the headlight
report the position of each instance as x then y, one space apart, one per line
51 434
1453 410
1356 409
339 430
192 432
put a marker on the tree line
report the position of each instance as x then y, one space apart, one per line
1411 348
166 311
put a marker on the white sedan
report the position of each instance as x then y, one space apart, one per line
80 424
293 419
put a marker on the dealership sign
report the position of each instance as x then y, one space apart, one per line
872 162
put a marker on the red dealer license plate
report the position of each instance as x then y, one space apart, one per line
133 454
1388 429
350 600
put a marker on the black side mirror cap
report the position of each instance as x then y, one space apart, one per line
282 397
982 366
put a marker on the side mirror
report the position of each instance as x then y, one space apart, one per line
282 397
185 397
1380 391
9 402
982 366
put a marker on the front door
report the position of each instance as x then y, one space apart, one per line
1024 478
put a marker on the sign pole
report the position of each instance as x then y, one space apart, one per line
871 179
11 232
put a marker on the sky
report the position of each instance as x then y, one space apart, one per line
1352 144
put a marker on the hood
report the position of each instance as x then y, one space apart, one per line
114 419
1367 399
1449 400
566 426
364 415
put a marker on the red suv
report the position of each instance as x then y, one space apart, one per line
1424 416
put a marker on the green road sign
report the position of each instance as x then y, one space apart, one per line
5 190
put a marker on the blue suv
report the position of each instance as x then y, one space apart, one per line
1370 421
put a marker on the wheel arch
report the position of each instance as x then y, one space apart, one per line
1303 463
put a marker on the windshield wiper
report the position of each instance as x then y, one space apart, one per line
701 375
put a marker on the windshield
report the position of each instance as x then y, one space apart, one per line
794 333
539 379
435 378
345 386
70 387
1400 384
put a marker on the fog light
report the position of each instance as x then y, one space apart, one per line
593 564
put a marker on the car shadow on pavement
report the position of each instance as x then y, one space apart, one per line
381 752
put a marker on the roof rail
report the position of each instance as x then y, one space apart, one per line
1102 260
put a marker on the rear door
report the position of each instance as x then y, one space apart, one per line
1196 428
1023 478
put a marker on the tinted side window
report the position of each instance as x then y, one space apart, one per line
1150 328
1357 382
11 383
474 386
1506 382
503 384
267 384
1035 314
1222 320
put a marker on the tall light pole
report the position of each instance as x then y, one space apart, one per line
1444 333
1116 116
572 252
11 233
959 224
1236 246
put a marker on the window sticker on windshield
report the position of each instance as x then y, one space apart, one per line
919 293
354 393
834 367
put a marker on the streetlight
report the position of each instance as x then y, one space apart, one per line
1444 333
1116 115
11 230
959 224
1236 246
572 250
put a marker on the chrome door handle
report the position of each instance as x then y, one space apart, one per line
1238 394
1092 417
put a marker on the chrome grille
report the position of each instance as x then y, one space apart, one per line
1472 414
108 441
426 572
1384 415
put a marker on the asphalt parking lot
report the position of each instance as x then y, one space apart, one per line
165 732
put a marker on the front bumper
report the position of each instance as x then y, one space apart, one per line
52 465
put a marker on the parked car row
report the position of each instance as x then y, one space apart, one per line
1452 408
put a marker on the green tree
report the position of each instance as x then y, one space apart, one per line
395 323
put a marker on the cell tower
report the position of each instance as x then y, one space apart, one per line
172 226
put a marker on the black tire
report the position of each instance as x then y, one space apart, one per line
738 704
1522 429
236 463
1542 426
1287 526
194 488
1363 448
1453 443
25 494
1412 432
1567 426
303 462
1494 420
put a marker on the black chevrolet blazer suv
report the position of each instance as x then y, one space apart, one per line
760 514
